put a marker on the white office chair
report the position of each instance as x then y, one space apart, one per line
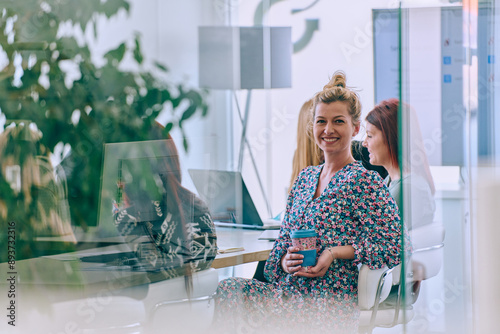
381 308
104 313
169 309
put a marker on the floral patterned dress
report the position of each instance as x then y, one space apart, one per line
355 209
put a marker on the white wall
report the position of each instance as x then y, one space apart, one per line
169 35
343 42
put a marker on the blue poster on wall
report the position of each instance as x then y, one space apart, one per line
452 108
450 53
386 53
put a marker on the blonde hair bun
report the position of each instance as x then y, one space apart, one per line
337 90
338 80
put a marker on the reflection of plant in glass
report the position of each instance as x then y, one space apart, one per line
49 78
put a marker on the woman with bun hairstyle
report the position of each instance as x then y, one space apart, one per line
308 153
356 221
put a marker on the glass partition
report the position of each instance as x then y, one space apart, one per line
447 81
91 90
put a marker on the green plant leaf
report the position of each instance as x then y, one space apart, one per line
36 27
84 12
161 67
168 127
94 27
111 7
116 54
185 143
204 110
175 102
188 113
137 50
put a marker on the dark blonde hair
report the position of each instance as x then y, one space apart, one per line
337 90
307 152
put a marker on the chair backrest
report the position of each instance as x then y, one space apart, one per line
427 255
372 282
374 285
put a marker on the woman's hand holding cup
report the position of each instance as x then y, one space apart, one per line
292 261
319 270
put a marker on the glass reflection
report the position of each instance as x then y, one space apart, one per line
87 74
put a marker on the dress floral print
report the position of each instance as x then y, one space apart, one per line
354 209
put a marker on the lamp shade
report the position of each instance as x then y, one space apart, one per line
245 57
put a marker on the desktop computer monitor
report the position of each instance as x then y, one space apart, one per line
132 173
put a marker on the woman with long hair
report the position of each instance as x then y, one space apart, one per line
382 142
181 234
307 152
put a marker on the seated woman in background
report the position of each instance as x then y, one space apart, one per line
356 221
382 143
178 224
307 152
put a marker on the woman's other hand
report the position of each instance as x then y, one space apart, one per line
291 262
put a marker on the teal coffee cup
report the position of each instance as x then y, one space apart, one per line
305 240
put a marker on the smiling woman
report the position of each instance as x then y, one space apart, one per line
378 148
336 120
382 136
355 220
414 175
333 128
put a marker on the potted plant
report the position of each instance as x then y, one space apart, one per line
51 80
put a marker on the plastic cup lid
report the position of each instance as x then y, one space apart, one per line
303 234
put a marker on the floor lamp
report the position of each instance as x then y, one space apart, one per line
234 58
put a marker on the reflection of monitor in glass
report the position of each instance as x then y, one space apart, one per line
227 197
131 173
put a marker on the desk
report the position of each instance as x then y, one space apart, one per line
64 270
254 250
54 291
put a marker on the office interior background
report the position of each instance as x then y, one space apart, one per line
437 56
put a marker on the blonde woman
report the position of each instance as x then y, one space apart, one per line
308 153
355 218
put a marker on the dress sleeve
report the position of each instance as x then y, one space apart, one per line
272 269
377 240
